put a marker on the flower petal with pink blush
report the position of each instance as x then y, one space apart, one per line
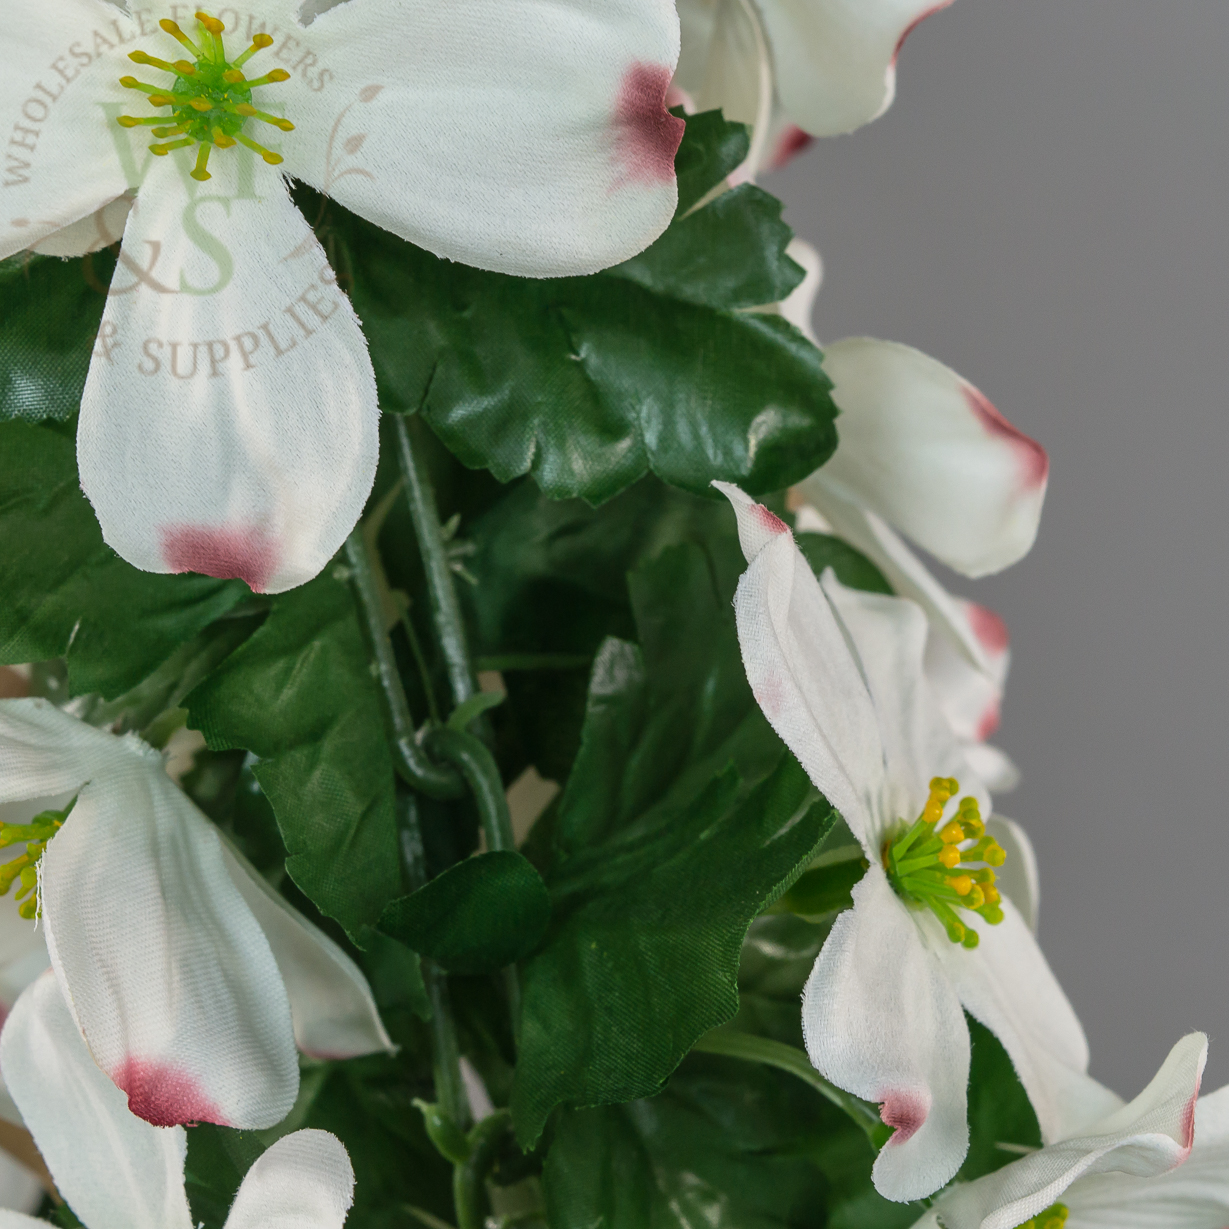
1148 1137
61 69
882 1021
1006 983
800 668
835 61
525 136
166 971
304 1181
927 452
115 1170
331 1005
230 426
970 695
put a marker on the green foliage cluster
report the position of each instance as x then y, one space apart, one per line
626 980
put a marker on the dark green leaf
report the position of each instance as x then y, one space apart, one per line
301 696
68 594
999 1108
589 383
478 916
825 889
50 310
711 150
822 551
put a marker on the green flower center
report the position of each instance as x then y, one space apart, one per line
1054 1217
947 866
36 834
210 98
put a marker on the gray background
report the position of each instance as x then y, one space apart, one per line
1044 209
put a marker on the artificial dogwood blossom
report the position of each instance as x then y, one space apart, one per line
794 69
839 674
189 977
116 1171
924 454
1161 1162
229 420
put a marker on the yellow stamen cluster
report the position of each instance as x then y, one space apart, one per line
948 866
210 98
1054 1217
35 834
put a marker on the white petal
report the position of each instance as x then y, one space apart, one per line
163 965
1149 1136
60 65
971 695
882 1021
836 61
799 307
115 1170
304 1181
1006 984
229 421
801 670
101 229
20 1191
992 766
1017 878
526 136
331 1005
45 753
727 68
785 139
926 451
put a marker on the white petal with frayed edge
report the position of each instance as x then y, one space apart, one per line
167 972
1017 878
229 422
1147 1137
1006 983
836 61
525 136
60 66
882 1021
115 1170
304 1181
800 668
46 754
929 453
1193 1196
331 1005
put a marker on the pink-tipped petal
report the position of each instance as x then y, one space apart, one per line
1146 1138
882 1021
229 425
115 1170
526 136
304 1181
927 452
836 61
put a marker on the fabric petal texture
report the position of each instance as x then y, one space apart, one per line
229 424
164 967
304 1181
882 1021
114 1170
1150 1136
60 77
800 668
331 1006
523 136
1017 878
836 61
930 454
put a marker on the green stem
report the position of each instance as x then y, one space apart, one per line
434 780
445 609
735 1044
445 1053
468 1194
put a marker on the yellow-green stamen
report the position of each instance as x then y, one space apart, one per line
35 834
945 866
1054 1217
210 98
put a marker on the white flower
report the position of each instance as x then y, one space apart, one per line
795 69
116 1171
190 978
228 424
925 455
839 675
1134 1168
